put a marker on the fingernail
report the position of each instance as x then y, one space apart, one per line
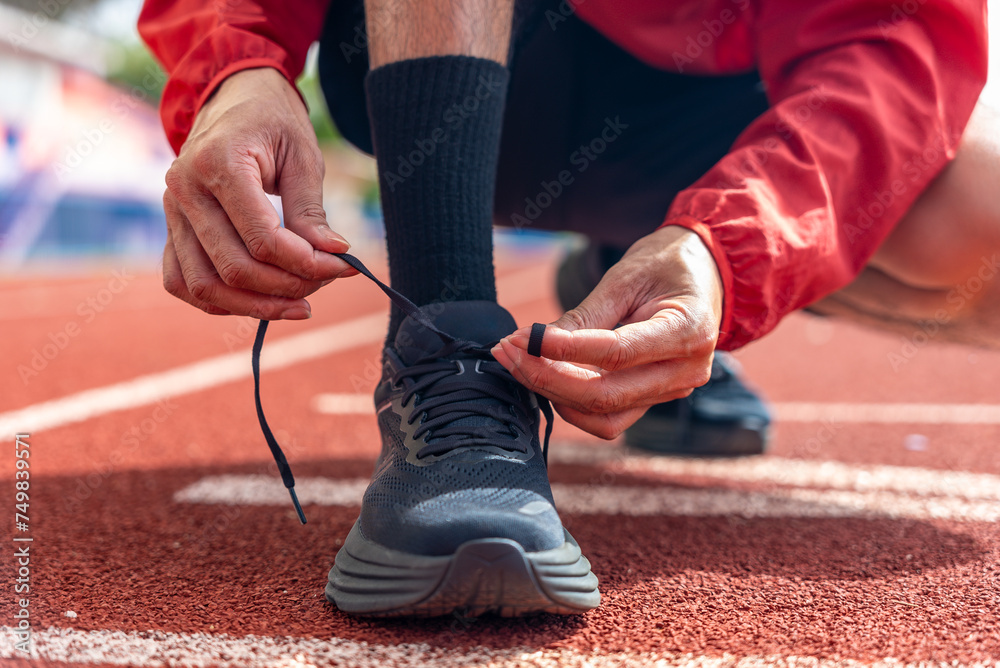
333 236
296 313
511 351
347 273
499 355
518 339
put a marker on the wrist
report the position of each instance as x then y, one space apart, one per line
249 85
242 81
722 266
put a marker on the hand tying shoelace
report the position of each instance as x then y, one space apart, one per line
435 408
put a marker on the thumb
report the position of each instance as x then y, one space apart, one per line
604 308
301 190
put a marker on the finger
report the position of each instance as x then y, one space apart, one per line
606 426
239 189
668 334
205 285
173 280
603 308
301 190
258 225
234 264
603 391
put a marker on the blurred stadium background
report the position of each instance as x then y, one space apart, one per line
82 154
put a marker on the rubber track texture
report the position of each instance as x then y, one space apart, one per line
490 575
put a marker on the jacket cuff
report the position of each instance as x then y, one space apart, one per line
203 70
726 335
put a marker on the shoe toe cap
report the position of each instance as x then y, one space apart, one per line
438 526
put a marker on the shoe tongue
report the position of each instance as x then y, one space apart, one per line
481 322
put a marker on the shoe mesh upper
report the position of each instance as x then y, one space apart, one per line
430 505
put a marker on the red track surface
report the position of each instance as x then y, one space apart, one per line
112 545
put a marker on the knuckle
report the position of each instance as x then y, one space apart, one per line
702 374
203 289
623 354
260 245
234 272
705 339
174 179
530 378
311 211
310 269
575 319
173 284
205 163
300 288
609 400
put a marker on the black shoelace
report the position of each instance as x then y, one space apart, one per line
438 407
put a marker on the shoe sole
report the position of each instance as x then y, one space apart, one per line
491 575
666 438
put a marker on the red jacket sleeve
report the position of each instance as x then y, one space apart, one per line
868 103
201 43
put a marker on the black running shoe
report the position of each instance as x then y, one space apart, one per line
459 515
723 418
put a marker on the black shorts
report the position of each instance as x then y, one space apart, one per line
594 141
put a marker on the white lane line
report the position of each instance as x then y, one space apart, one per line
789 411
159 648
202 375
218 370
599 499
788 472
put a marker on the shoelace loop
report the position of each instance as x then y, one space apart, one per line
435 420
440 406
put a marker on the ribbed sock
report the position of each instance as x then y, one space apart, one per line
436 128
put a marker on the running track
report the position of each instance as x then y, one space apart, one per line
868 535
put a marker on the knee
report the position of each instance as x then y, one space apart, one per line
955 223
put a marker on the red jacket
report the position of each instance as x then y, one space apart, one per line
868 102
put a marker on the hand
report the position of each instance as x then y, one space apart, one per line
667 295
226 250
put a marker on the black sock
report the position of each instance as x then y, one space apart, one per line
436 128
